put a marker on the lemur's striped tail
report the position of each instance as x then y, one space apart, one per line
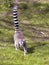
15 16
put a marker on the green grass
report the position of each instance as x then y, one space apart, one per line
38 55
37 44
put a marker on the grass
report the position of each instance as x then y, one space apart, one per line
37 43
38 56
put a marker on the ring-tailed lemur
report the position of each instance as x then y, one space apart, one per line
18 36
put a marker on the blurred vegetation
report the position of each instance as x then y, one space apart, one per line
35 13
5 4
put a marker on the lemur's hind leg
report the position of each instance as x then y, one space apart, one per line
17 45
24 47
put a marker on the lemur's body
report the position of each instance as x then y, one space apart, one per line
18 36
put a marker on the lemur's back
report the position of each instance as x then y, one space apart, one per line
19 36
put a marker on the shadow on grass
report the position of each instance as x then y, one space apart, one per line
31 49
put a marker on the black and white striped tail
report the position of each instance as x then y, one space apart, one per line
15 16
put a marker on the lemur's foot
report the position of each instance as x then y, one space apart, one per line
16 48
25 53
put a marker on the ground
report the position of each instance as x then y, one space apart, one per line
36 33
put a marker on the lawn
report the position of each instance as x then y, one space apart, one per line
37 42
